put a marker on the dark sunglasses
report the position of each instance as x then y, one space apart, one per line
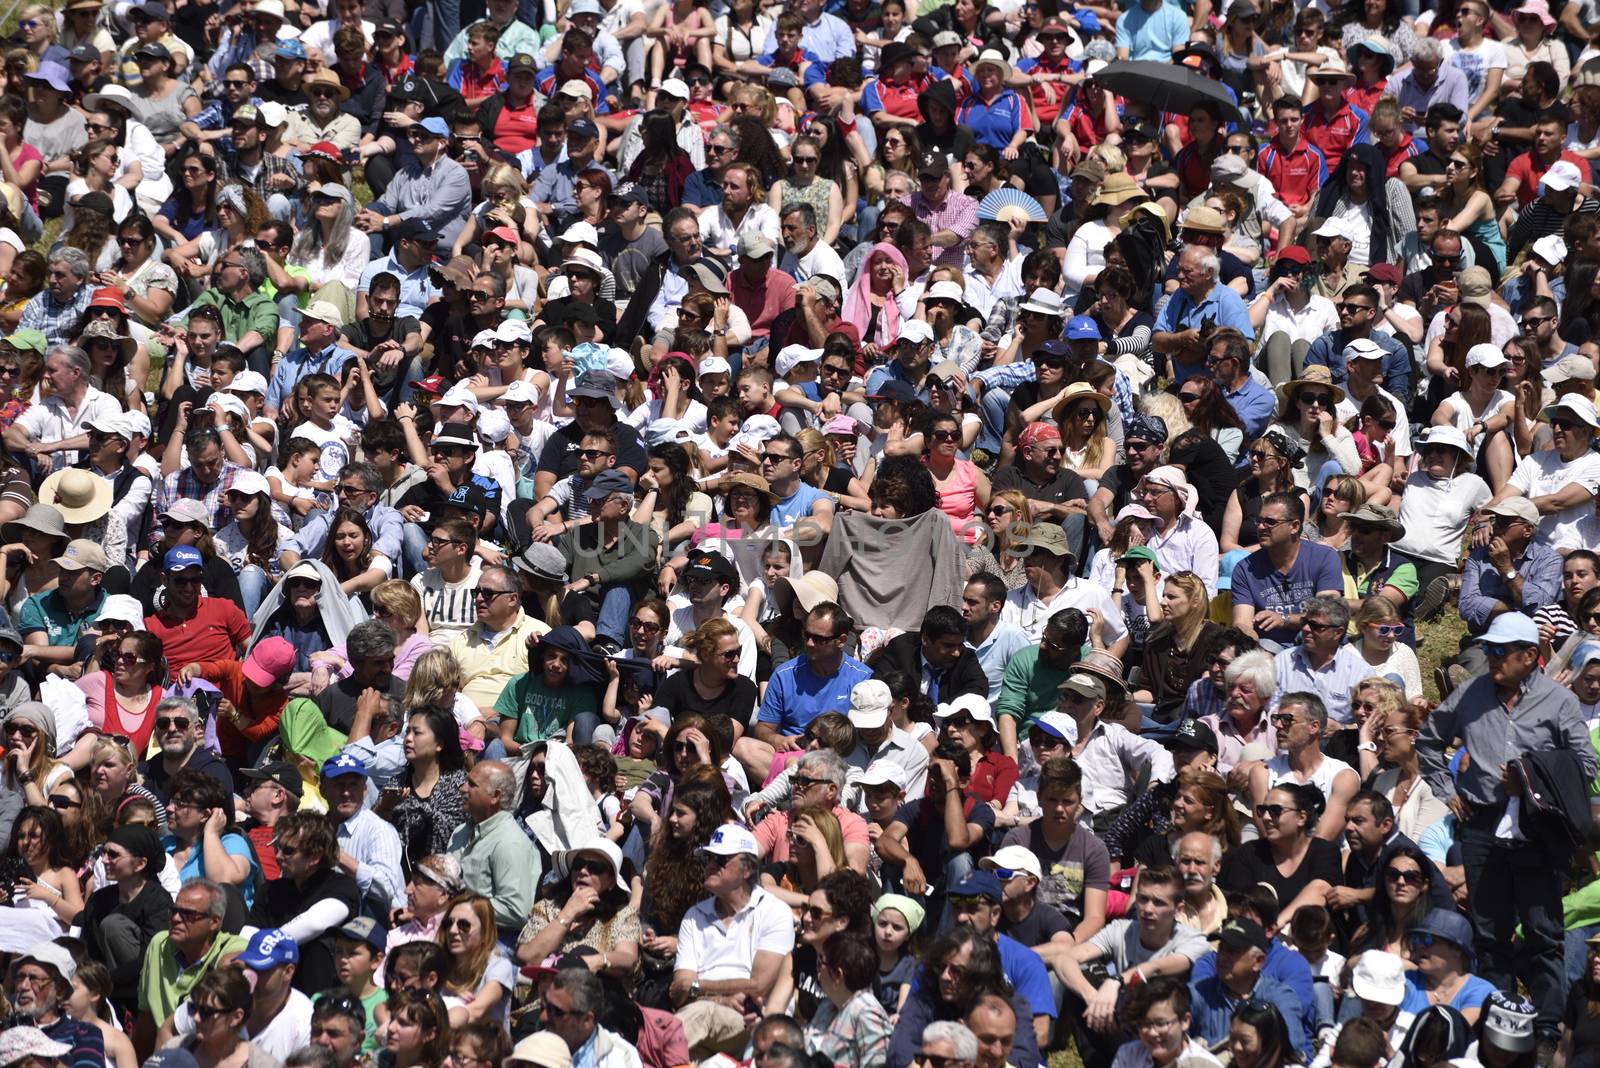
1405 875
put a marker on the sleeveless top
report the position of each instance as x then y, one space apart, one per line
138 739
958 499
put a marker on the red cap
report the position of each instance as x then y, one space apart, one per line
325 149
109 297
504 233
1295 254
1038 432
431 384
1387 273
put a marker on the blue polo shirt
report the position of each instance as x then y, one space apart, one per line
1255 406
796 695
786 511
996 122
1222 306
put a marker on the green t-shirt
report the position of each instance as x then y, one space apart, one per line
380 996
542 712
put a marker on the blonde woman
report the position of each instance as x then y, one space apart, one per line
1378 632
482 976
505 203
436 681
1178 647
1081 412
1391 725
396 603
1008 511
36 29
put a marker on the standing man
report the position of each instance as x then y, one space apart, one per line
1511 711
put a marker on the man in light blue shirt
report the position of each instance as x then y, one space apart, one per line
1322 662
317 353
1151 31
993 639
1200 301
829 36
410 261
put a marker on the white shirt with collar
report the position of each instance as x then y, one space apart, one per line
716 949
902 748
1024 608
1116 763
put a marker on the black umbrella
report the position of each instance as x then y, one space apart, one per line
1168 87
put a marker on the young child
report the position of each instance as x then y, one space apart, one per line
1311 931
358 948
327 427
1377 423
895 918
599 769
534 707
759 605
754 390
294 485
722 423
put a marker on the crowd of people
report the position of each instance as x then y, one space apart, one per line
817 534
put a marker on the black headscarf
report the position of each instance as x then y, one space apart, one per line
1370 159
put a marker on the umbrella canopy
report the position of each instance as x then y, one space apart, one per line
1168 87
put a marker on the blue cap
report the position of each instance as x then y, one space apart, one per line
290 50
55 75
978 884
436 126
608 482
1449 925
343 764
269 948
1511 628
181 556
1082 328
1230 560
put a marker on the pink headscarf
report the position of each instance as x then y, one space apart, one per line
858 305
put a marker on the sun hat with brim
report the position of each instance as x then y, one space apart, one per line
1110 671
1046 537
1203 220
1045 302
1377 515
1118 188
1332 67
121 608
1379 46
1076 392
1315 375
603 848
1448 925
1569 367
19 1044
328 79
748 481
1578 405
55 75
43 518
1448 436
992 57
79 495
542 1049
969 704
809 589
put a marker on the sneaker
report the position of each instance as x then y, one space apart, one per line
1443 682
1441 592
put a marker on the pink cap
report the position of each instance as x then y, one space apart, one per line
1539 8
270 662
844 425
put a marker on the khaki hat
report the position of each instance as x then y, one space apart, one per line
1084 685
749 481
1314 375
324 312
1076 392
82 553
1378 515
1516 508
80 496
325 77
810 589
1047 536
542 1049
1474 286
1569 367
1118 188
1203 220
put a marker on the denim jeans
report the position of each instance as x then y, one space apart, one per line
253 586
415 541
588 727
612 621
992 406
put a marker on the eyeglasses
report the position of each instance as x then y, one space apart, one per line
1265 522
805 782
1499 651
1319 627
1352 306
488 594
1322 400
63 801
175 723
816 913
207 1012
478 294
553 1013
645 625
439 543
1409 876
1273 811
593 454
731 656
460 924
1282 720
1559 423
1386 630
189 915
1190 398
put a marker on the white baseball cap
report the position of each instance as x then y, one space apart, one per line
883 773
1015 859
519 392
1334 227
123 609
869 704
248 381
249 483
971 704
1550 248
714 365
730 840
915 331
484 339
790 356
458 397
1486 355
1363 348
1563 175
513 330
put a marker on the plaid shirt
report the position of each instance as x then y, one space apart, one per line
54 319
272 165
185 485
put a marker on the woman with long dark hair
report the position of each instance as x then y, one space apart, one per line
39 841
92 227
149 286
1466 326
1258 1037
191 210
250 541
418 1032
1210 413
122 699
428 804
349 555
757 148
674 874
1403 898
1465 202
1299 866
662 165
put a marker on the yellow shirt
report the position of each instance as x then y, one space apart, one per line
488 665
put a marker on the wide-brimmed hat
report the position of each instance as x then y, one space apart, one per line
78 495
1109 668
1045 302
1314 375
1377 515
993 57
105 330
1118 188
810 589
44 518
1076 392
1379 46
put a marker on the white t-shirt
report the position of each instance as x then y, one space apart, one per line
234 547
288 1031
1318 317
1462 416
1024 608
336 444
1545 472
1348 409
1434 513
820 260
1476 62
716 950
447 606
